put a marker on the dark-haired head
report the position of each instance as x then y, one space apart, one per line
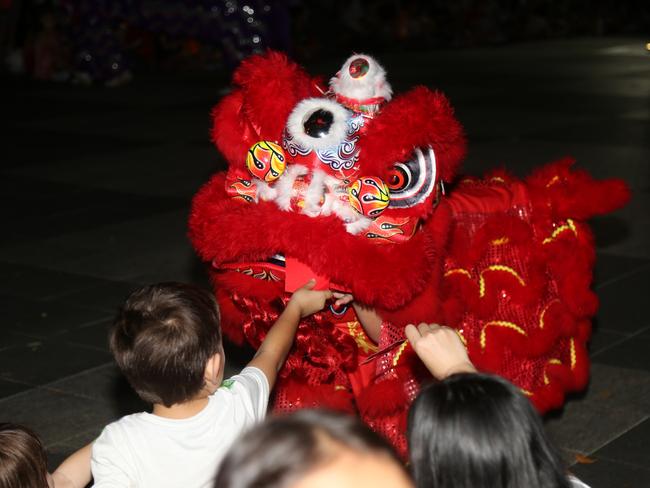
479 431
311 448
22 458
162 339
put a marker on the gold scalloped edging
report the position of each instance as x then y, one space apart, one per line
458 271
399 352
541 315
500 323
570 225
498 267
552 181
461 336
550 361
500 241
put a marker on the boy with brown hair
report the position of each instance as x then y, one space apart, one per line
167 342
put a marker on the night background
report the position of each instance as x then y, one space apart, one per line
105 133
106 42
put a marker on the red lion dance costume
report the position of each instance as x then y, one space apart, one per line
360 190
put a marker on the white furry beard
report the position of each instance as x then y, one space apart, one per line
322 197
266 192
284 185
372 85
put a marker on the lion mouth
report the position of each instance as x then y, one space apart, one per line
278 268
271 269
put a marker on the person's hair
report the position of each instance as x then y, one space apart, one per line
162 339
22 458
479 431
285 448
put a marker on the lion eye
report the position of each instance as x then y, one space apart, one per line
412 181
399 177
318 124
315 123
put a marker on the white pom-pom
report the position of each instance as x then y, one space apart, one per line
361 78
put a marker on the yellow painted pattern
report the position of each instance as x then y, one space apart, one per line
359 336
541 315
497 179
552 181
399 352
526 392
458 271
499 323
339 387
500 241
572 344
498 267
461 336
570 225
266 161
550 361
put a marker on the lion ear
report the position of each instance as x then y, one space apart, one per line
417 118
267 87
227 128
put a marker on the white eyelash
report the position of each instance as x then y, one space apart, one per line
307 107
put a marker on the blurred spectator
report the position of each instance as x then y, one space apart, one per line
310 449
51 57
478 431
23 462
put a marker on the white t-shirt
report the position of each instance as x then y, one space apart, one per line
576 483
147 451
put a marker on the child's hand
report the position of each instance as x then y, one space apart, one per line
342 298
440 349
308 301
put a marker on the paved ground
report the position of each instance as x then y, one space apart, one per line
96 186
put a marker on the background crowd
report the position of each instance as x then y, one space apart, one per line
106 41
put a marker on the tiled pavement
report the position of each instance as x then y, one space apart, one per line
95 187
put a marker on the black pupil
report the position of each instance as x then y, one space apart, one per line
318 124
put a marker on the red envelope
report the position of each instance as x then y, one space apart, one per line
297 274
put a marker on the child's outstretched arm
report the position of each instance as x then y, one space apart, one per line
74 472
440 349
276 345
